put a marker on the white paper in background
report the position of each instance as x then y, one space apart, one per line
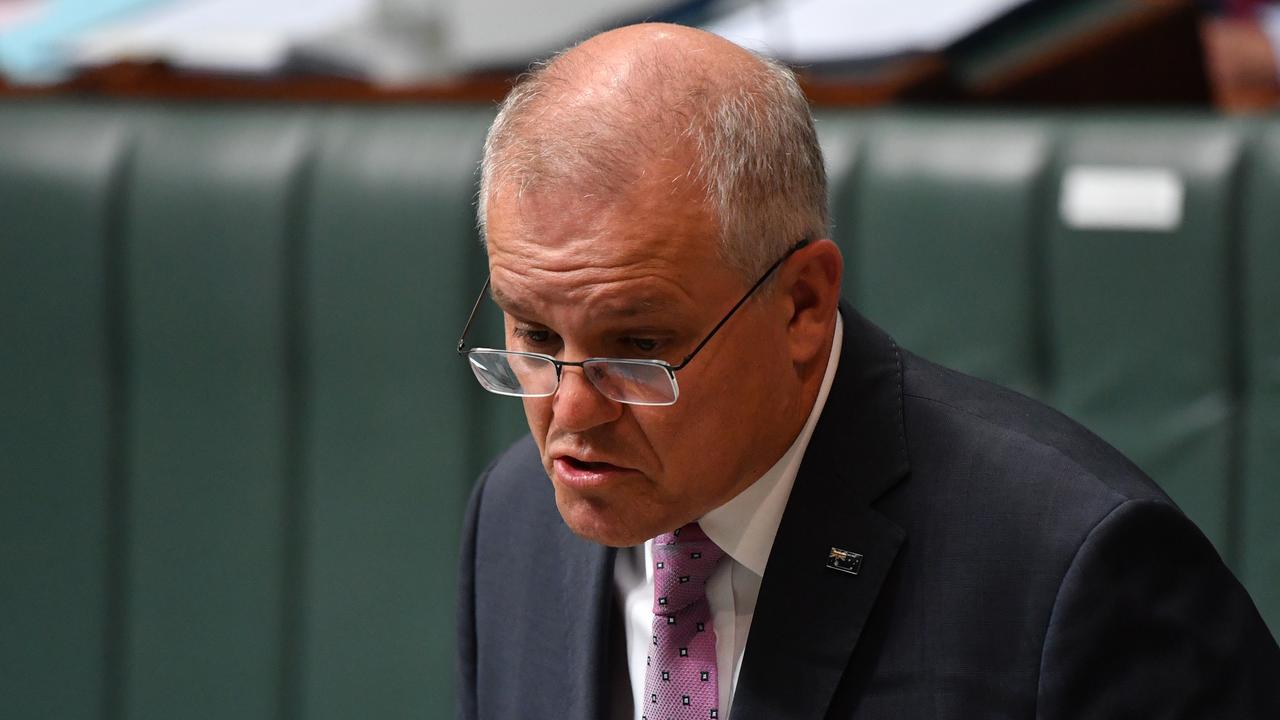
807 31
16 12
232 35
489 32
1122 198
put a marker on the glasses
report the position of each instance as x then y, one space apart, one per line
634 381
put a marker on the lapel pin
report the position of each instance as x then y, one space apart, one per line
844 561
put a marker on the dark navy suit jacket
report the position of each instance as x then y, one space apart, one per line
1013 566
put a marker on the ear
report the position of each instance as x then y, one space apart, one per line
809 287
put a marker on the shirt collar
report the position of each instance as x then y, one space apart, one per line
745 526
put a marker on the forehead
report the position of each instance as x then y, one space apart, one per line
639 251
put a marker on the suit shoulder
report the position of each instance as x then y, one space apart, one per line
514 483
1147 591
1022 435
519 459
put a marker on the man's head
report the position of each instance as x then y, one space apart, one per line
632 189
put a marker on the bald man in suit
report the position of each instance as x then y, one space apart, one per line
880 537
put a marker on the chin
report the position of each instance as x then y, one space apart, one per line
599 522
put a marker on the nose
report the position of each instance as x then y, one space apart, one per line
578 406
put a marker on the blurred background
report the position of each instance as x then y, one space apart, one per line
237 246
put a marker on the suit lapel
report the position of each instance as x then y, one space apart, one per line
808 616
584 627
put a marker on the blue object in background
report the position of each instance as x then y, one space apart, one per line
36 51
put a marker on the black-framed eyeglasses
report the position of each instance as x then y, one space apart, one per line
634 381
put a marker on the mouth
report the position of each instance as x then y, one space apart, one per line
580 465
585 474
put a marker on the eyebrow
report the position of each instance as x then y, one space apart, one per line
632 307
507 303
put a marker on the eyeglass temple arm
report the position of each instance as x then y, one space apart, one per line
740 302
462 339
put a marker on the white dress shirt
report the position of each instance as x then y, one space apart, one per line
744 528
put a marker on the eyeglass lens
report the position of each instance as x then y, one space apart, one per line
513 374
632 382
528 375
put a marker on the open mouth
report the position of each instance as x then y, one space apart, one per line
577 464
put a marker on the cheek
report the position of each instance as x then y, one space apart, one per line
727 408
694 437
726 389
537 412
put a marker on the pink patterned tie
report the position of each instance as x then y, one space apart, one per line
680 681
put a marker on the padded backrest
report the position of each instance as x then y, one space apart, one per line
387 271
1260 264
939 240
59 461
211 238
236 439
1140 309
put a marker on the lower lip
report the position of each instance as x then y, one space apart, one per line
584 478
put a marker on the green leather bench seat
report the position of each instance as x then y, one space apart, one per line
235 440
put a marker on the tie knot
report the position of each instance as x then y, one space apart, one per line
682 562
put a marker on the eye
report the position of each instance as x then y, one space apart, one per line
643 344
534 337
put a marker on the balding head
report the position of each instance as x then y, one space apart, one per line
598 116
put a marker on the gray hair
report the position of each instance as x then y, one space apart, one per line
755 149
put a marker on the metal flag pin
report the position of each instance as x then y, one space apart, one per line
845 561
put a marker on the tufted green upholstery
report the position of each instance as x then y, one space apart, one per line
60 181
209 218
238 443
908 235
235 441
387 268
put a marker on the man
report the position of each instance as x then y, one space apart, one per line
758 506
